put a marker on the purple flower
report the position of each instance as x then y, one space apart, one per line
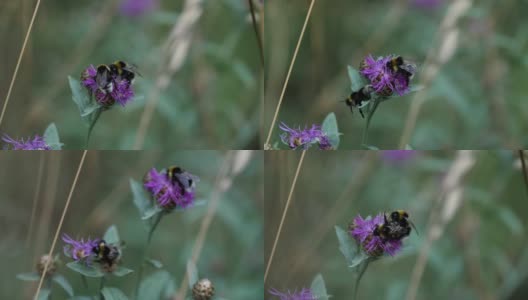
122 92
304 139
304 294
362 231
117 89
79 250
37 143
427 4
398 156
137 8
168 194
382 78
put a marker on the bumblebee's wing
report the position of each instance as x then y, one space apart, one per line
187 180
132 68
102 78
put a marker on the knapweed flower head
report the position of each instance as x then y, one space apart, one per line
107 88
303 294
427 4
50 261
398 156
384 79
35 143
167 192
79 250
362 230
137 8
304 138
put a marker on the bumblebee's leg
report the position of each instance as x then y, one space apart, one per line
361 112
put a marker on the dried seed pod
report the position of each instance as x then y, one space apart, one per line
52 265
203 289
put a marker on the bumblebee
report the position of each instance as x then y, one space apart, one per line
108 255
183 179
396 227
402 67
357 99
103 78
123 70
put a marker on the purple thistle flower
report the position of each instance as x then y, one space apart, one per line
304 139
137 8
37 143
118 89
383 79
362 231
88 78
79 250
168 195
398 156
122 92
427 4
304 294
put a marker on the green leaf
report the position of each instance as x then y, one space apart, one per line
356 79
64 283
140 197
44 294
154 286
151 211
121 271
112 293
155 263
347 247
192 273
33 276
318 288
88 271
370 147
79 95
330 128
111 235
408 147
81 298
51 137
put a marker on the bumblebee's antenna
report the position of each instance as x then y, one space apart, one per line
413 226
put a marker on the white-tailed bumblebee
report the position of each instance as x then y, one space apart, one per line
185 180
402 67
357 99
107 255
124 70
396 227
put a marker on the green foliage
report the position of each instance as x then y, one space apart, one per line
87 107
85 270
318 288
51 137
353 254
155 285
330 128
111 293
64 283
357 81
111 235
33 276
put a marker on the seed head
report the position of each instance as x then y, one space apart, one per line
52 265
203 289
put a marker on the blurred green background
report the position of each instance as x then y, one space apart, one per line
481 253
476 101
211 102
232 256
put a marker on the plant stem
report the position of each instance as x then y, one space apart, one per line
257 33
101 286
360 271
85 283
92 124
367 124
144 256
